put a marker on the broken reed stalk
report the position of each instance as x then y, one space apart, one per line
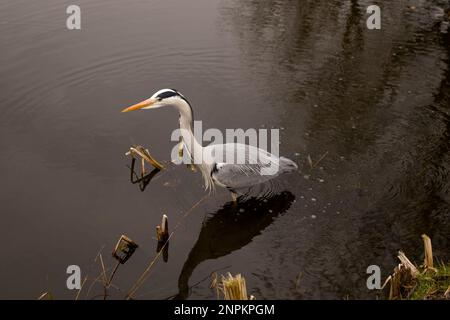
403 276
162 234
123 250
162 231
428 260
234 288
146 272
411 282
405 272
405 262
145 155
447 292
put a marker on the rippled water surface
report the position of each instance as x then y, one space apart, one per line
369 108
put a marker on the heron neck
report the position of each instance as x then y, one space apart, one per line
192 145
194 148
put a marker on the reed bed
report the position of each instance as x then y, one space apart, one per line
424 282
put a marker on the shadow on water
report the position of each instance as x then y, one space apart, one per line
231 228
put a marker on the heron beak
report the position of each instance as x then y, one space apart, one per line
143 104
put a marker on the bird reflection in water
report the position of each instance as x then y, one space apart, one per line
229 229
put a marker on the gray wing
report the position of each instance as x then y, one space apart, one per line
242 166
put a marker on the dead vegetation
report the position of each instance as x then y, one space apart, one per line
423 282
406 282
145 156
230 287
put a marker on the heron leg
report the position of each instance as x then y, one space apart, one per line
181 152
180 148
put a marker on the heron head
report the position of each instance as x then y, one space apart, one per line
161 98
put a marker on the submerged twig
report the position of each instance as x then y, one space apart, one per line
320 159
312 164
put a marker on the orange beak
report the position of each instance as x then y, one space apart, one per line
143 104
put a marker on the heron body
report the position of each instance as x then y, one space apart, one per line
214 160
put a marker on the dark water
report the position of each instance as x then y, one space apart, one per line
372 106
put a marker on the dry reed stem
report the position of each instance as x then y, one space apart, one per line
403 274
309 161
105 278
145 155
81 288
85 278
406 275
46 296
162 231
318 161
234 288
428 260
405 262
144 275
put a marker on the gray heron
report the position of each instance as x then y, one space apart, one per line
213 160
